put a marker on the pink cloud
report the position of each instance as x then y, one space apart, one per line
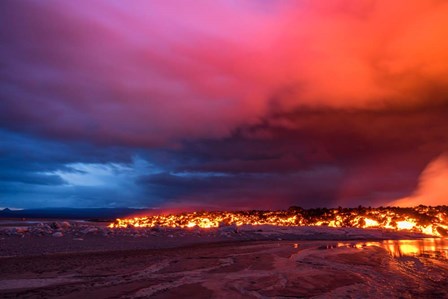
147 73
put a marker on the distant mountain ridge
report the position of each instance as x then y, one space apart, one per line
71 213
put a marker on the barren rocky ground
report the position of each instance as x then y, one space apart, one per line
67 259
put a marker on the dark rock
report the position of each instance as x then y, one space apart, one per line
442 231
89 230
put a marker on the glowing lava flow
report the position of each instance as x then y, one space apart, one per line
422 219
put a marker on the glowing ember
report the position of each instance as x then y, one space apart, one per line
423 219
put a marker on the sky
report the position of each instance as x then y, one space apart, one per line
224 104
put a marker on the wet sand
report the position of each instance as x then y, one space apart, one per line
265 269
206 264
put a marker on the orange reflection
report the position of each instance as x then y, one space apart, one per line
426 247
430 247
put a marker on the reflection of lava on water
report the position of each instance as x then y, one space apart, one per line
429 247
422 219
426 247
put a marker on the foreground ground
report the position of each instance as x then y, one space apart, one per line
221 264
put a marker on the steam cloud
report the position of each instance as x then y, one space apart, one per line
432 189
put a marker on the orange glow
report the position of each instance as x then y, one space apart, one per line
421 219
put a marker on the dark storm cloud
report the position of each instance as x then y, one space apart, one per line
30 178
36 172
268 191
311 137
220 103
377 154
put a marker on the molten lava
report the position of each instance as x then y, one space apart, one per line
422 219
